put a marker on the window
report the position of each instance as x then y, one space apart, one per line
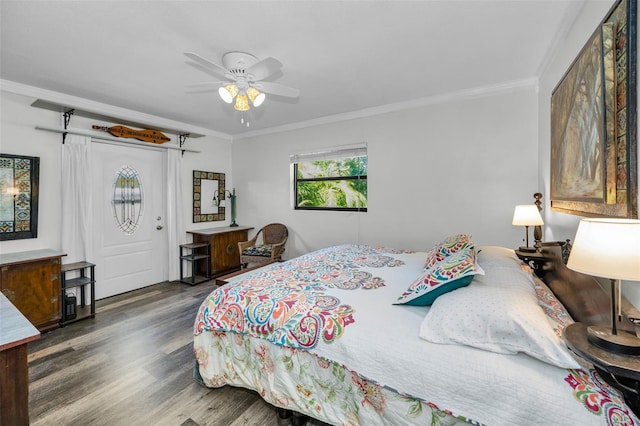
335 179
127 201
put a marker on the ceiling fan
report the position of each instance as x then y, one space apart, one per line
244 78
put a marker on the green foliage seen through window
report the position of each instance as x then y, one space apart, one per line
339 184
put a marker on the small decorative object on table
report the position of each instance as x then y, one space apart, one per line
218 199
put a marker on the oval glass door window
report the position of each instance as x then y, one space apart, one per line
127 201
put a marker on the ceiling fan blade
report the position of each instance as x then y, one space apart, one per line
277 89
264 68
205 86
207 63
206 70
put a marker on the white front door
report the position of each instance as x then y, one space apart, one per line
129 207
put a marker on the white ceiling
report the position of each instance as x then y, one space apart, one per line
344 56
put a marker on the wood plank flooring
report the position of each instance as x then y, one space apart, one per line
133 365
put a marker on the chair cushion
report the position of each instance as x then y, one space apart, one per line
260 251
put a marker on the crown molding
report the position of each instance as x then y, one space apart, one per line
477 92
105 109
126 114
568 21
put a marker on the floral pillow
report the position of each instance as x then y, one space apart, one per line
455 271
449 246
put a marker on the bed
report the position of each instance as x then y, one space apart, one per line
363 335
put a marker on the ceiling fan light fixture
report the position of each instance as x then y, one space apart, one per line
239 73
228 92
242 102
255 96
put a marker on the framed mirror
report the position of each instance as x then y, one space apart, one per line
206 186
18 196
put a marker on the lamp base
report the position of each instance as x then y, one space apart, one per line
527 249
621 343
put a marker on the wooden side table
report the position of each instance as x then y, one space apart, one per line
619 370
224 247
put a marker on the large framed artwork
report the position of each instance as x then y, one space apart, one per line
594 170
18 196
207 187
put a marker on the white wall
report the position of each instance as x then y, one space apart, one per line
19 136
560 226
458 166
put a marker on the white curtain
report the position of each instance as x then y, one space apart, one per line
175 213
76 198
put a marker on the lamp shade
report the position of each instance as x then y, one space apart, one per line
228 92
527 215
256 97
608 248
242 103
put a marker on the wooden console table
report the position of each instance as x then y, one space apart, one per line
224 246
31 281
15 332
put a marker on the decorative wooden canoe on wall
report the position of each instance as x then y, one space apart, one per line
147 135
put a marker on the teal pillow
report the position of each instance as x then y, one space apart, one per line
454 272
430 296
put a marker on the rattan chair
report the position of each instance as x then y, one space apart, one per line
270 249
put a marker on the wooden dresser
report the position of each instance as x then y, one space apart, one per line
31 282
224 246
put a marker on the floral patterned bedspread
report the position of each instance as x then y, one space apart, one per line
289 305
319 334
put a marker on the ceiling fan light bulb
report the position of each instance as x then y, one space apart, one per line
242 103
225 95
255 96
228 92
259 100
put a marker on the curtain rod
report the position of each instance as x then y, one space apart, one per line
103 136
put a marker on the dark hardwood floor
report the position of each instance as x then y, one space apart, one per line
133 365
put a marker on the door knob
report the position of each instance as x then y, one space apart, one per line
159 227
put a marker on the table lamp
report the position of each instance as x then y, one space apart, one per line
609 248
527 215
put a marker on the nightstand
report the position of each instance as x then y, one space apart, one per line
534 259
619 370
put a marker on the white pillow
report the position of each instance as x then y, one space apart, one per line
506 278
497 256
496 319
